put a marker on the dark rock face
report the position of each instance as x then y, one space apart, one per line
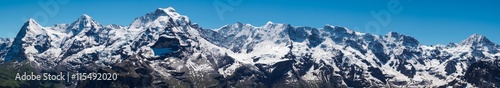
484 74
165 46
450 67
299 34
410 72
315 38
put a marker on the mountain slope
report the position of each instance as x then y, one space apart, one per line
4 45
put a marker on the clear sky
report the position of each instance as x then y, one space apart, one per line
429 21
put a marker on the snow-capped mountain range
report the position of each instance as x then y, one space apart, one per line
163 48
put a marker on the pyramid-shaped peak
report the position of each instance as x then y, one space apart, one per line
85 17
475 39
476 36
32 21
83 22
32 24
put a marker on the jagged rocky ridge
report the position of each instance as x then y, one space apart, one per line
164 49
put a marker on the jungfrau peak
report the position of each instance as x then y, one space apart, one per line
476 39
161 17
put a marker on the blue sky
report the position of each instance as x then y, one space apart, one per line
429 21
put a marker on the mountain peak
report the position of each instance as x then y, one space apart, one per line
476 39
31 24
85 16
269 23
31 20
159 18
165 10
30 29
397 35
84 21
328 26
337 29
393 37
238 23
475 35
393 34
272 25
169 11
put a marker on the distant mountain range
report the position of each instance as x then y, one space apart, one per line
164 49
